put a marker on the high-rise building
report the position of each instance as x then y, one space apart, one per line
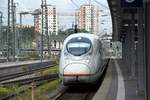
87 17
52 21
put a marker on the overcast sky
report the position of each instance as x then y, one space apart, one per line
61 6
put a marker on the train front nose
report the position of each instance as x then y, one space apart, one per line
76 73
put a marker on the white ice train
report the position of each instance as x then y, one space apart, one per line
82 59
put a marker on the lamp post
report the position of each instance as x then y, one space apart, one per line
13 29
1 33
41 56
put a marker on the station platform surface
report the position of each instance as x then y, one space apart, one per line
117 84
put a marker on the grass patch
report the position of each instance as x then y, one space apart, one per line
44 89
15 88
40 92
53 70
4 91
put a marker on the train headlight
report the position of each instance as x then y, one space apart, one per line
87 57
65 53
66 61
86 61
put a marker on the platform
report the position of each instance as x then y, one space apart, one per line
117 84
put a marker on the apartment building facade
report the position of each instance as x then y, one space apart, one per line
87 17
52 21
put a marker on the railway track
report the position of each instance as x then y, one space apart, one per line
38 80
81 92
29 79
76 93
10 76
26 77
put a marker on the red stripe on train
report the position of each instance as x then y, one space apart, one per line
76 74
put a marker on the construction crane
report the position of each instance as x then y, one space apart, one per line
65 13
20 29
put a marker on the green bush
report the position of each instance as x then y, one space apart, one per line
32 55
3 91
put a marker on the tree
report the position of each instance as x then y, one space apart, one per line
61 32
71 31
28 35
83 30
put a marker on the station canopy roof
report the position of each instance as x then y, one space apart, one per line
122 16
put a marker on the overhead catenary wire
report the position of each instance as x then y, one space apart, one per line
74 3
102 5
90 1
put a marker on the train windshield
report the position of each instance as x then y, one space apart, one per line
78 48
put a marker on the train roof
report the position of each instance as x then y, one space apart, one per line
86 35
